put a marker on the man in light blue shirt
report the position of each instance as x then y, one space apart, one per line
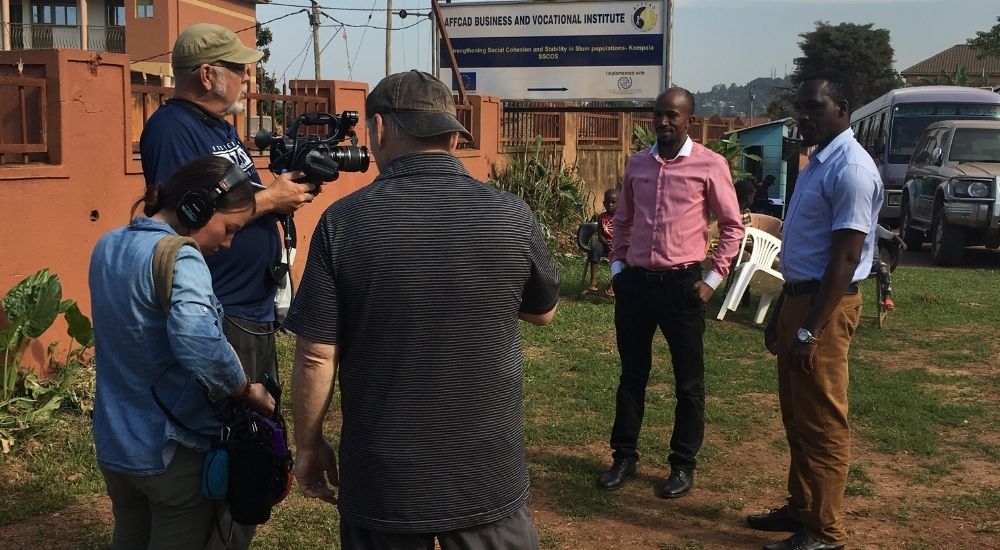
828 239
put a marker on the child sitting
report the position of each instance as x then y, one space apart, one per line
601 248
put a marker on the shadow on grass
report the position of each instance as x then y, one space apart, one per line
564 484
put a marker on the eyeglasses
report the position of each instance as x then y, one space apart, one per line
237 68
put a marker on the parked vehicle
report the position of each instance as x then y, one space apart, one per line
889 126
952 189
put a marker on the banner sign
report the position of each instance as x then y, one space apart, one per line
557 50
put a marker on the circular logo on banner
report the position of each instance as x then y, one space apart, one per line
624 83
644 17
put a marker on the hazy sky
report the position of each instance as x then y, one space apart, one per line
715 41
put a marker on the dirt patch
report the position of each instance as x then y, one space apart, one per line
903 509
66 529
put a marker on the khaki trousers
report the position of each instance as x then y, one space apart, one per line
167 511
814 412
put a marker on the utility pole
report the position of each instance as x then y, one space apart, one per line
668 50
314 23
388 37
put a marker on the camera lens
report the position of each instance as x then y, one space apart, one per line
350 158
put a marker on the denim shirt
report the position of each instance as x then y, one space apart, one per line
183 353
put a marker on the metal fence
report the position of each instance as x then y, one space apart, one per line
23 120
599 129
106 39
271 111
464 115
28 36
519 127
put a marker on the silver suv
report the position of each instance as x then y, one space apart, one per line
952 189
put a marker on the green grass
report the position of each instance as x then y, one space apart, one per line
51 473
924 398
858 482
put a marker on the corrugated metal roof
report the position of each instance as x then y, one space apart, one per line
949 60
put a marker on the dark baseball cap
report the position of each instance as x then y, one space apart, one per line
422 104
208 43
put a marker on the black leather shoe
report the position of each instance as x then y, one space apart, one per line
677 485
775 520
802 541
621 469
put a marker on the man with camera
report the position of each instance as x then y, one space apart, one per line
211 71
413 288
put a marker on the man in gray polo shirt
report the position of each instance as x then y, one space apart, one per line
828 242
413 287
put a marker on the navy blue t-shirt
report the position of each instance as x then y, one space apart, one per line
176 135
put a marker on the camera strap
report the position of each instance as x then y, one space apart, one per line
195 111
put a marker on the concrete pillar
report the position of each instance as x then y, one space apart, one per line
570 123
5 24
81 10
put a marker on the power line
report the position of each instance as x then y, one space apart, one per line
304 57
254 26
305 48
332 8
371 12
323 49
347 55
339 23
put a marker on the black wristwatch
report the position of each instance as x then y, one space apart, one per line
803 336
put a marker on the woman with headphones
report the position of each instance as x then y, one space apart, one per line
164 368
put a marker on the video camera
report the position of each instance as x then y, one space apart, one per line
320 158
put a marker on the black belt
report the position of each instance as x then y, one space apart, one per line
812 287
673 274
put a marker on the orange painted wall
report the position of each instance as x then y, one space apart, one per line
151 39
51 215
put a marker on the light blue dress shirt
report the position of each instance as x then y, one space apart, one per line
839 189
183 353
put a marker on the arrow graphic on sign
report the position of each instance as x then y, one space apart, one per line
548 89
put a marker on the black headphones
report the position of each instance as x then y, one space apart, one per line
197 205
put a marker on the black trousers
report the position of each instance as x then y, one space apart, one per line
645 300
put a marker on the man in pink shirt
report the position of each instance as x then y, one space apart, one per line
659 242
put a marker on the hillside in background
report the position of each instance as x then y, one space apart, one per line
734 100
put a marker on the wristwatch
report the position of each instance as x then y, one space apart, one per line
803 336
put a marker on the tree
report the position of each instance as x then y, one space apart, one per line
987 42
957 78
781 106
862 52
266 84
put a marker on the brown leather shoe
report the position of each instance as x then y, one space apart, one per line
775 520
802 541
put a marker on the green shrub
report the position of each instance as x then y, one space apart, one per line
555 193
26 401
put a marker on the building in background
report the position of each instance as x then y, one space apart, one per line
956 66
143 29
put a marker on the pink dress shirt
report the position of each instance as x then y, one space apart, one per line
662 218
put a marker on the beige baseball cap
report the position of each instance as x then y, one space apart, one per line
203 43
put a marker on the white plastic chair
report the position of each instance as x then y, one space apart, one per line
755 272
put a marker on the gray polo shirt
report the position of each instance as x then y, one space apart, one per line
839 189
418 278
